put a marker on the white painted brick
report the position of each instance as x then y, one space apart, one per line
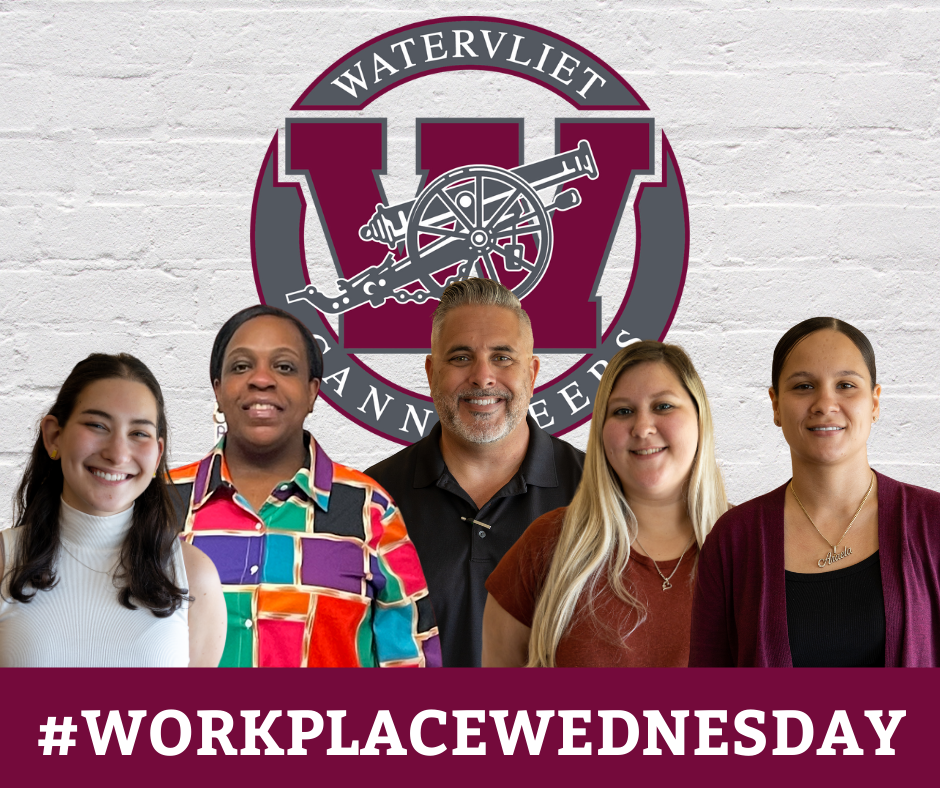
131 136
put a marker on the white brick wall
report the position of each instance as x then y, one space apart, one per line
131 135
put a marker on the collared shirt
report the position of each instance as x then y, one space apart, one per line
323 575
458 555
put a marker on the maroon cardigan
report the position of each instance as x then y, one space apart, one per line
739 611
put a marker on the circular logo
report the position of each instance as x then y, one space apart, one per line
461 147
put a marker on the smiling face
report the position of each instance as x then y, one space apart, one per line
825 402
481 372
109 447
651 432
265 391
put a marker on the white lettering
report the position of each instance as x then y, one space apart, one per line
336 736
569 731
545 50
220 735
521 724
326 345
412 414
383 722
297 732
417 741
757 736
156 732
884 736
114 724
464 732
594 77
656 724
374 397
464 43
515 51
567 69
428 46
598 373
340 378
840 723
571 398
783 746
489 47
622 340
409 63
544 412
380 64
633 732
705 732
350 88
252 731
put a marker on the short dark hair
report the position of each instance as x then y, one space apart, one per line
236 321
802 330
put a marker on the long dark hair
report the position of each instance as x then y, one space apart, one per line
800 331
144 572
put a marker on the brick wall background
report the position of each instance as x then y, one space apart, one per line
131 134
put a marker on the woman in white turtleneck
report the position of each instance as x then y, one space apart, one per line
93 573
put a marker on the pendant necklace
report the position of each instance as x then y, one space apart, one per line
99 571
666 584
834 554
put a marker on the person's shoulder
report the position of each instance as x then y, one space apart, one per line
184 474
395 466
549 524
909 497
343 474
740 519
200 569
566 451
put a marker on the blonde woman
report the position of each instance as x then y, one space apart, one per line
608 580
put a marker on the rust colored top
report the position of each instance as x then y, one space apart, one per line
604 638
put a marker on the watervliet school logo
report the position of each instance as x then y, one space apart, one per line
592 233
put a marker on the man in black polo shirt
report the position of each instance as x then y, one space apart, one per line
471 487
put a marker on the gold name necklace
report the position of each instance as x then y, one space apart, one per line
834 555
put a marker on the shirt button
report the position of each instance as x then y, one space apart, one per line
257 526
481 534
248 623
284 486
253 570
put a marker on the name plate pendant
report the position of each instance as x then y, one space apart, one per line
832 557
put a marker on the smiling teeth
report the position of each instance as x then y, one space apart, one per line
111 477
488 401
261 406
644 452
825 429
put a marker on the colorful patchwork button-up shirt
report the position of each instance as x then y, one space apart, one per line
323 575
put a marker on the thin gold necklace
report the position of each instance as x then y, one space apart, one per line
834 555
99 571
666 584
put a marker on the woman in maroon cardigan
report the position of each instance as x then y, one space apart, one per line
839 566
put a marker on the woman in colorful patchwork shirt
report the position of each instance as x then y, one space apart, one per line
315 561
93 571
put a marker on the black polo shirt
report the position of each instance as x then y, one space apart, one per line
458 556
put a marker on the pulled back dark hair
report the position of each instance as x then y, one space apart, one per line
144 571
800 331
236 321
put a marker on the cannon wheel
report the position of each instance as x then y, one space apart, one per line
494 217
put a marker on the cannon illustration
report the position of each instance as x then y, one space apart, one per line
476 220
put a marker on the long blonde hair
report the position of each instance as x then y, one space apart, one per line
599 525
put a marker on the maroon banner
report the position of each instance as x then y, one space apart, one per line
772 727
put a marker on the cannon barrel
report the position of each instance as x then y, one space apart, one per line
389 223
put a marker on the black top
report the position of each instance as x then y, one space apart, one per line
456 556
837 619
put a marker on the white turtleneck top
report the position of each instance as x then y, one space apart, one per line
80 622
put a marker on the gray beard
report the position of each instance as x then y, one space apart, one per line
483 429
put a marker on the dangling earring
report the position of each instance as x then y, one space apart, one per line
54 455
218 417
